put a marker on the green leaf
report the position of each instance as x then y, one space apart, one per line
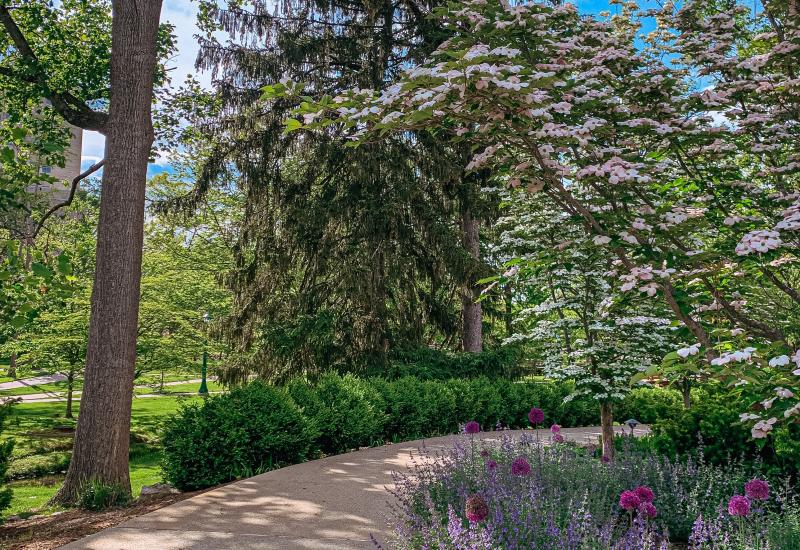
41 270
292 124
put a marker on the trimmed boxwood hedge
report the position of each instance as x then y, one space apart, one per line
257 427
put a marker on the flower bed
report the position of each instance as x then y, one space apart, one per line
522 493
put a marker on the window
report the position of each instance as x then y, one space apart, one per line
45 169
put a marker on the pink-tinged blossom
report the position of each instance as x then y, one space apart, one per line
758 241
762 428
472 427
694 349
555 428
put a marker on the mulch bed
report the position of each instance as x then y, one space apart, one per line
46 532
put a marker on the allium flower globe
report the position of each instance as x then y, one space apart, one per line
555 428
536 416
629 500
520 467
472 427
558 438
476 509
491 465
645 494
739 506
648 509
757 489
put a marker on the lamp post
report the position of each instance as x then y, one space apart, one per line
203 387
632 423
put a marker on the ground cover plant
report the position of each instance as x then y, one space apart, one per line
522 493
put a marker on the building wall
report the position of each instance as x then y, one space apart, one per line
72 168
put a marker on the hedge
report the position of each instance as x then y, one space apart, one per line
257 427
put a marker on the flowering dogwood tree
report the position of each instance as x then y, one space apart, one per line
571 310
677 151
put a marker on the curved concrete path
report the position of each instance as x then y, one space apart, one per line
334 503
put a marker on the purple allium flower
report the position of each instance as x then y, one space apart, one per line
739 506
536 416
558 438
645 494
629 500
484 453
472 427
476 509
491 465
757 489
648 509
520 467
555 428
605 459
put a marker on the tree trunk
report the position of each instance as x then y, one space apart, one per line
686 390
70 387
607 428
12 365
471 311
508 316
100 451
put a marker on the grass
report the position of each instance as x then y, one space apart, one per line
40 428
180 388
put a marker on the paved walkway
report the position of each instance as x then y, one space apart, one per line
57 397
36 381
335 503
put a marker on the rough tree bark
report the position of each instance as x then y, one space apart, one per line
607 428
100 450
471 311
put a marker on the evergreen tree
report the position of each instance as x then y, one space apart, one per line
344 253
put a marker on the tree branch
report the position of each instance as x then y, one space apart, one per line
72 109
83 175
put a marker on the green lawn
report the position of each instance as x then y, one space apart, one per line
180 388
41 431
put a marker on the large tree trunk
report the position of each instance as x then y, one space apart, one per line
100 451
607 428
471 312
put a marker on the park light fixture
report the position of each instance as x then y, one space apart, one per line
203 386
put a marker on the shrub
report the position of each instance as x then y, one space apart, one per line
345 412
647 405
418 408
99 496
39 465
712 426
432 364
250 430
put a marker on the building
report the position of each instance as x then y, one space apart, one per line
72 168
